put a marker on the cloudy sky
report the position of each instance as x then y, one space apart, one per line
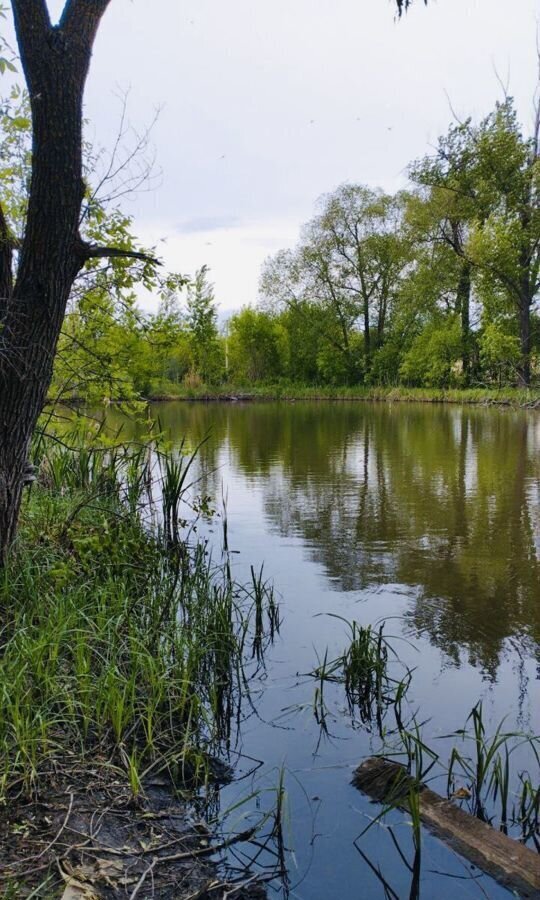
266 104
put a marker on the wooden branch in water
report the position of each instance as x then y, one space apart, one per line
509 862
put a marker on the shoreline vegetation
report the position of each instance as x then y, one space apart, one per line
525 398
126 652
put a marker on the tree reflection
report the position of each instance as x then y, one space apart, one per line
442 500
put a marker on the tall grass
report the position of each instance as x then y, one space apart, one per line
363 670
283 390
112 646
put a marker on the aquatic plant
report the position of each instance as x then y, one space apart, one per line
363 670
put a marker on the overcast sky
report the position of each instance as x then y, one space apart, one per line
267 104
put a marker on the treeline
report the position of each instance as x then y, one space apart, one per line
434 286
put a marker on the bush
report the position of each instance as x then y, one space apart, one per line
435 356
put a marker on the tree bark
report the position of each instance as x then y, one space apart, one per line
55 61
464 307
524 370
367 335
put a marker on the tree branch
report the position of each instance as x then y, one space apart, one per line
94 251
32 26
33 15
80 15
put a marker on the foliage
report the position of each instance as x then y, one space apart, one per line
434 357
257 346
118 642
201 321
499 352
423 279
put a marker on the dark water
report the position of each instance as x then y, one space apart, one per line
427 516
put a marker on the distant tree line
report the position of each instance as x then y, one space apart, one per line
436 285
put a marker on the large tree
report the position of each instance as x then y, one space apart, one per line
35 288
483 185
350 263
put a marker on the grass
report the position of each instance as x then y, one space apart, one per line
505 396
362 669
119 643
496 792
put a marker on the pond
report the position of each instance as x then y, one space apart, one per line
426 516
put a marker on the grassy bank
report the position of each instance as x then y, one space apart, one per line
124 655
507 396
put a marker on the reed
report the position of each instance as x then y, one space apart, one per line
114 645
363 671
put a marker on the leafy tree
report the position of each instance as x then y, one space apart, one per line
505 245
53 247
258 346
349 263
439 220
201 321
434 356
499 352
307 333
485 181
367 254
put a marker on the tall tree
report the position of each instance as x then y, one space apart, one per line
52 250
440 220
350 263
201 320
485 181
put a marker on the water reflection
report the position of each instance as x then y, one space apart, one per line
441 500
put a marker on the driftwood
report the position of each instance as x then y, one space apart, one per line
511 863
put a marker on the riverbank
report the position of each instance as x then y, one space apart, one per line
510 396
123 655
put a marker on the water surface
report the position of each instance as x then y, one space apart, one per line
427 516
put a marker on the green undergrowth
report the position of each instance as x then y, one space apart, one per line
506 396
121 643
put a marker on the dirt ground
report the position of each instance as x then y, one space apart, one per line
88 838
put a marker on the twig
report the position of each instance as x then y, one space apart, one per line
212 848
54 840
143 878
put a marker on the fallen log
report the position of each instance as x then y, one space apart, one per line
509 862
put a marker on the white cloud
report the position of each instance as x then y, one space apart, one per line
234 255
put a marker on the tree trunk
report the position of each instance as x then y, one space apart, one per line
524 370
464 307
367 335
55 61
